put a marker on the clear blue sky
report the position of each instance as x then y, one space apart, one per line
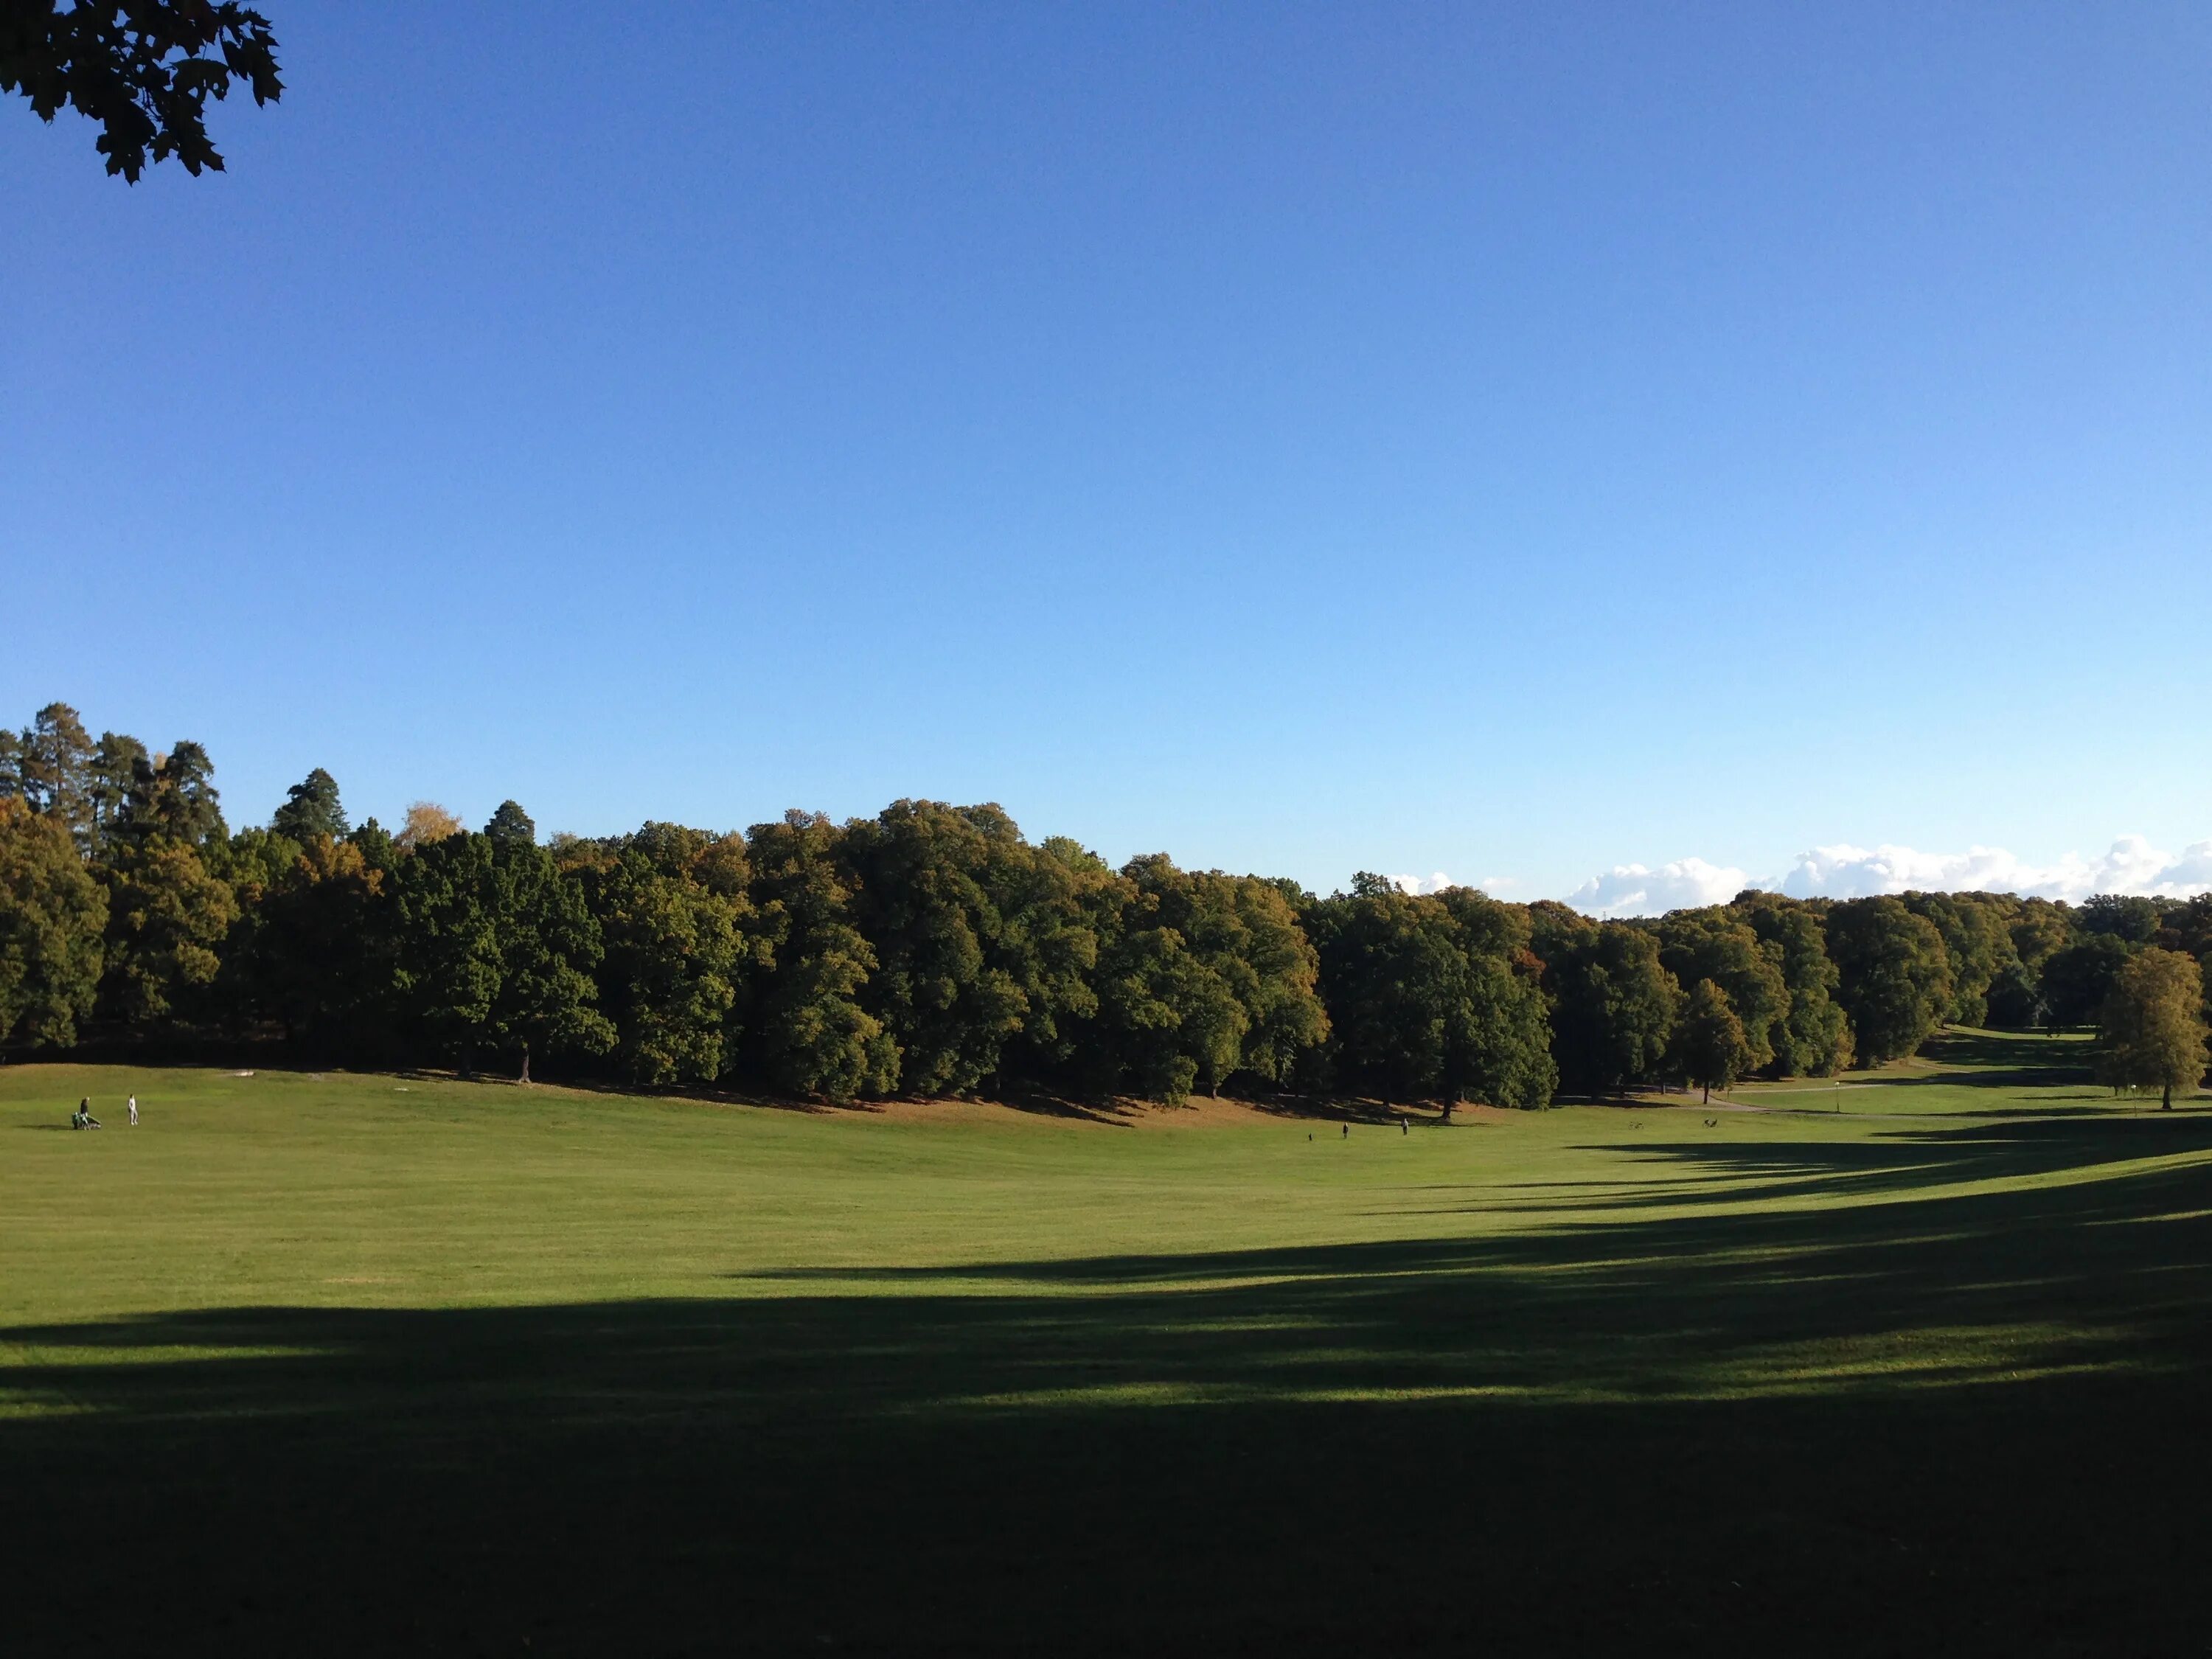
1504 441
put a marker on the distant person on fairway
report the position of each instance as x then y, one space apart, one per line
134 1111
1347 1131
84 1118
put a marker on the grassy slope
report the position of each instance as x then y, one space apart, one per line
402 1362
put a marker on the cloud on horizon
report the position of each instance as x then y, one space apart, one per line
1636 890
2132 867
1435 884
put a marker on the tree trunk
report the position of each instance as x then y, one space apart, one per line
1449 1104
1708 1099
2165 1102
525 1077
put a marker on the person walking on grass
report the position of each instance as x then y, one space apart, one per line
134 1111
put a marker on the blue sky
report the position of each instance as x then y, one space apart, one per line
1512 442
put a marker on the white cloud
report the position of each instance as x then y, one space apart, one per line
1634 890
1435 884
1439 881
2132 865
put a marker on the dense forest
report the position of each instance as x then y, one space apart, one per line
932 950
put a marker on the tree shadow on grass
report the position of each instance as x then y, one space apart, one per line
1987 1060
2018 1051
1952 1420
1725 1170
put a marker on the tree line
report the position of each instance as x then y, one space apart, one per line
933 950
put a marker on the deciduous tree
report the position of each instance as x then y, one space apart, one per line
1814 1039
52 915
1710 1045
1166 1018
318 957
2152 1032
804 1027
2077 980
1422 1003
1715 945
2129 918
167 916
426 821
1976 946
931 885
1615 1005
495 950
673 909
1893 979
143 69
1250 998
2039 929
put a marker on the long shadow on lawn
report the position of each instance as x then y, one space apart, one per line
1963 1421
1720 1169
1902 1161
1990 1059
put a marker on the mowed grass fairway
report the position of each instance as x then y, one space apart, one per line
354 1363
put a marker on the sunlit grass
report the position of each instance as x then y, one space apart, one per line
507 1347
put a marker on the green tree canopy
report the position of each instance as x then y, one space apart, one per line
496 948
1167 1017
1390 966
167 917
2132 919
1716 944
1423 1001
53 769
173 797
116 763
1814 1039
1615 1005
312 808
932 888
2015 1000
804 1027
2151 1034
2077 979
1710 1045
53 916
1893 977
2039 929
1976 943
673 909
510 826
1054 926
1247 999
318 956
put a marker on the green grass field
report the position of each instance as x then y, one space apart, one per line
405 1363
